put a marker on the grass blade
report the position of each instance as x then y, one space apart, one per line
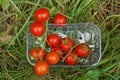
59 3
23 25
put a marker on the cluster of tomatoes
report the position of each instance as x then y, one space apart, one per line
62 49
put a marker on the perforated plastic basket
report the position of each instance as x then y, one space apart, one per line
80 33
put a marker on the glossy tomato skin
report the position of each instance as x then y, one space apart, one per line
72 59
58 50
53 40
60 19
66 44
41 68
42 14
37 53
37 29
53 57
83 50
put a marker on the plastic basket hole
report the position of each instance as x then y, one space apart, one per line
80 38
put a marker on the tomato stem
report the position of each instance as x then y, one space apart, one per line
69 53
45 39
51 31
41 59
52 9
65 15
85 47
43 45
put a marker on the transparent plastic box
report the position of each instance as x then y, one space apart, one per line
81 33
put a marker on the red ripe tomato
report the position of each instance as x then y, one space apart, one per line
53 57
66 44
60 19
37 53
42 14
71 59
83 50
53 40
37 29
58 50
41 68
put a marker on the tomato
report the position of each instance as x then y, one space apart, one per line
37 29
83 50
41 68
71 59
42 14
66 44
53 57
58 50
60 19
53 40
37 53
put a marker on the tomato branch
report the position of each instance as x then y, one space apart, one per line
69 53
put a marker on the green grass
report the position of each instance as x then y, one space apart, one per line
16 17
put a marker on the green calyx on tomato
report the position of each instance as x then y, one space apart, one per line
83 50
65 41
85 47
72 58
37 54
75 57
58 50
66 47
